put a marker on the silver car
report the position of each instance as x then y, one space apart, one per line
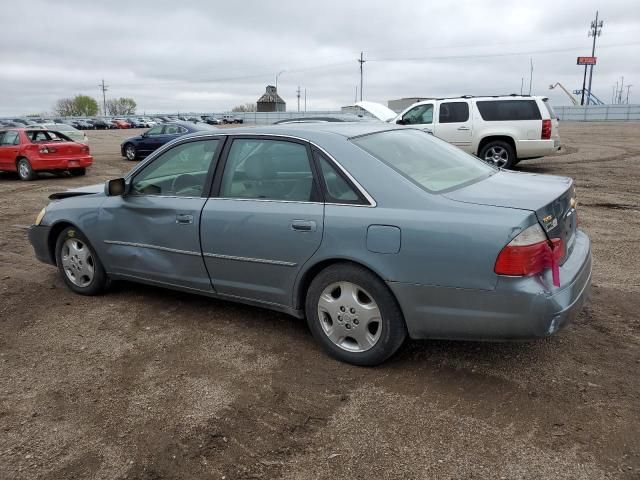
372 232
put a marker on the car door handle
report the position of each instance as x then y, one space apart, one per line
184 219
464 128
303 225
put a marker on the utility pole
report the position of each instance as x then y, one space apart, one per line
305 100
521 84
361 61
356 98
628 88
595 31
104 89
298 93
530 76
620 91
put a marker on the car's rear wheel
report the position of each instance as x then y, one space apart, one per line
500 153
130 152
353 315
25 171
79 264
78 172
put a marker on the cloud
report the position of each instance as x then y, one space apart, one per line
209 56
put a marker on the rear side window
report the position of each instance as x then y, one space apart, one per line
507 110
454 112
337 187
10 138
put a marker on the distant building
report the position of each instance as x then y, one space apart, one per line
400 104
271 101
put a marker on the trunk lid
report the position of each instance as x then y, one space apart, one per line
550 197
64 150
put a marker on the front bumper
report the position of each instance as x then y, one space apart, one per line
519 308
39 238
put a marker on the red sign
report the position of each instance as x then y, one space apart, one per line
587 60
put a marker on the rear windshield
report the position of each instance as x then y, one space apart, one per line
547 104
40 136
507 110
430 163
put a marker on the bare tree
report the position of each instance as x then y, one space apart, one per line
121 106
247 107
65 107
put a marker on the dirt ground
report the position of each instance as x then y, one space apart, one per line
145 383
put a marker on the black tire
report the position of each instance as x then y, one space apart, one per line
130 152
393 329
78 172
25 172
99 282
505 155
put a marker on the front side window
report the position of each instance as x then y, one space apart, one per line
10 137
419 115
430 163
454 112
181 171
268 169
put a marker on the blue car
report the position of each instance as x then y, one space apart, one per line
372 232
138 147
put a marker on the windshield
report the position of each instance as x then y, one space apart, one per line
428 162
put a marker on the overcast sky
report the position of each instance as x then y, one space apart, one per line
209 56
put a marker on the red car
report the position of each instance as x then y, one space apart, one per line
121 123
29 151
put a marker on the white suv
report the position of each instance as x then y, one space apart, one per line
501 129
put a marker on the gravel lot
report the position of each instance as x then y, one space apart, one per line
153 384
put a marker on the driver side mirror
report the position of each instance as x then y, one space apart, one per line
116 187
401 122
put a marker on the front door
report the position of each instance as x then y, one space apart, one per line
9 149
420 116
265 222
454 124
153 232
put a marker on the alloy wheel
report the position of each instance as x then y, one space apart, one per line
349 317
130 152
499 156
77 262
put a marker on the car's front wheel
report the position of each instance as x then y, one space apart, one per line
130 152
500 153
354 316
79 264
25 171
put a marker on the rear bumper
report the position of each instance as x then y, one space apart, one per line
39 238
518 309
62 163
536 148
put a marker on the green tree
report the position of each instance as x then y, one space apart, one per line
80 105
121 106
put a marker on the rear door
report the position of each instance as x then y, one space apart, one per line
153 233
9 149
265 221
454 123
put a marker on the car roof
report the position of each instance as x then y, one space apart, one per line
310 130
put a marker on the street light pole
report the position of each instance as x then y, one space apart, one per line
595 31
277 75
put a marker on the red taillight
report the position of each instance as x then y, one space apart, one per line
546 130
529 253
85 148
48 150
